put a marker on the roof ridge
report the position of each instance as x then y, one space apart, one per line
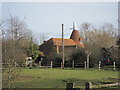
61 38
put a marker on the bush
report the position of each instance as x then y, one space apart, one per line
57 59
79 57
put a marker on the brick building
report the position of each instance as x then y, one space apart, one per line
54 45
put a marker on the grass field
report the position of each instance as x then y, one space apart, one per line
57 78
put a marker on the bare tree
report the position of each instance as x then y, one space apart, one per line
15 36
85 26
97 38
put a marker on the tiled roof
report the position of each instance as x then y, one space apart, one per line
75 35
67 42
79 44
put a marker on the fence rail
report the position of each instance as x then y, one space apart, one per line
89 85
114 66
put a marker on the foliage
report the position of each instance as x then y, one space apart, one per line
57 59
115 55
78 55
15 41
96 38
33 50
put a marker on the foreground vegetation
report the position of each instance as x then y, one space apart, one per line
57 78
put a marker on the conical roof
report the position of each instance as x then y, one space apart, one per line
75 35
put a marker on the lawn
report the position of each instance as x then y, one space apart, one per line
57 78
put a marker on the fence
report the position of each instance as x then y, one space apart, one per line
73 65
114 66
89 86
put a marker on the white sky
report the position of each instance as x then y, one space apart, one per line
47 17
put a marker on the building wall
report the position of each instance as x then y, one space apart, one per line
47 48
58 49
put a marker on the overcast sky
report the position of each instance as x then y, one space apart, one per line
48 17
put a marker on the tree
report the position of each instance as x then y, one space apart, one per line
98 38
15 35
78 56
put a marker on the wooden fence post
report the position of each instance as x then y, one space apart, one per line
99 65
85 64
73 64
51 64
88 85
114 66
40 64
70 86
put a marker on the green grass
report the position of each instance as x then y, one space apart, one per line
57 78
